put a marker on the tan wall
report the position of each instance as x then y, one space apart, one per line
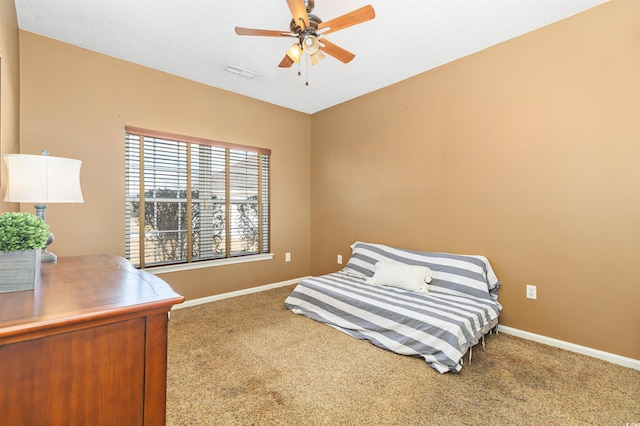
527 152
75 103
9 92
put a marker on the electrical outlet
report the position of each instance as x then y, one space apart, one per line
339 259
287 257
532 292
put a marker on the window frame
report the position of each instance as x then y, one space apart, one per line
229 256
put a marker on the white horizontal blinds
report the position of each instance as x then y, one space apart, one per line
264 204
166 197
243 202
201 199
132 199
209 209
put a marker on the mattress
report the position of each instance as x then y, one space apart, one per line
439 326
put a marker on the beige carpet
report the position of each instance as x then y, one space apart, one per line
249 361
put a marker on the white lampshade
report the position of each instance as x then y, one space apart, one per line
42 179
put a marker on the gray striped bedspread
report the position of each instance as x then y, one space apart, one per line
440 326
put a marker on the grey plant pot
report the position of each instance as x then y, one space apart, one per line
19 270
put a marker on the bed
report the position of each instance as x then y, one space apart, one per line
426 304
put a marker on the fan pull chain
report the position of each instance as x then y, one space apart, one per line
306 66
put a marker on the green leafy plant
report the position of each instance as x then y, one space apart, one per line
22 231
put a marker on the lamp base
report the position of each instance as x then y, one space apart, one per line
47 256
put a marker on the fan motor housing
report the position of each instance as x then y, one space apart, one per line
314 21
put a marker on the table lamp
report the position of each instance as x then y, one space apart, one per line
42 180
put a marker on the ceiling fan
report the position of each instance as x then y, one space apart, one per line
310 32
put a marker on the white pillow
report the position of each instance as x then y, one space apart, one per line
408 277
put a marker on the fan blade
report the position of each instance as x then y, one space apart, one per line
358 16
299 13
286 62
267 33
337 52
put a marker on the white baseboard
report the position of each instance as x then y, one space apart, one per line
215 297
595 353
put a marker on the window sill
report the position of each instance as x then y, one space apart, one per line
209 263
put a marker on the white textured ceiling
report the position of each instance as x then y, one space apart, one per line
195 39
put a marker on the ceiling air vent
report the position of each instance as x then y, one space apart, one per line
240 71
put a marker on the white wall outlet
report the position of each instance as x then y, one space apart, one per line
287 257
532 292
339 259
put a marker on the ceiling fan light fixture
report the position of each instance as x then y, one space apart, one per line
307 28
311 45
294 53
316 57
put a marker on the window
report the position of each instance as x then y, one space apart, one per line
190 199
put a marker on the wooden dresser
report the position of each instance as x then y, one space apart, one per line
88 346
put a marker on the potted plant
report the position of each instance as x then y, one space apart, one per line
22 237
